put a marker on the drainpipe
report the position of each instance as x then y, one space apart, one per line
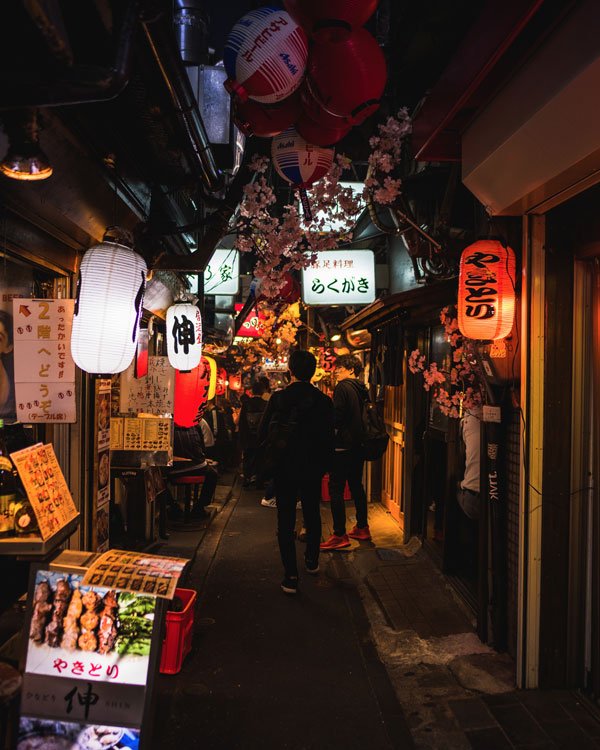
161 39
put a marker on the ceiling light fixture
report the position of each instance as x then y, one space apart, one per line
24 159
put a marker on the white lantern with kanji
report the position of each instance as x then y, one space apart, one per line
184 336
110 292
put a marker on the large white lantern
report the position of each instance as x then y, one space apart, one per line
184 336
110 291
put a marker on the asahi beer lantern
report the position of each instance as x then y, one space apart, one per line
486 291
298 162
265 56
110 292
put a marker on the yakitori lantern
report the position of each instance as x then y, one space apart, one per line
265 56
298 162
348 78
110 291
264 120
184 336
486 290
331 20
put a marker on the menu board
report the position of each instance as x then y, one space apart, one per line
132 571
143 434
44 367
154 394
46 488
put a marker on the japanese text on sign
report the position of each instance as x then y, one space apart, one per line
222 274
340 277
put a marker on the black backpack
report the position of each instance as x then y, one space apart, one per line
375 437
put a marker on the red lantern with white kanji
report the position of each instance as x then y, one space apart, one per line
265 56
331 20
298 162
486 290
192 391
184 336
348 79
265 121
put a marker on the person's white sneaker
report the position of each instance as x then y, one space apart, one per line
271 503
298 505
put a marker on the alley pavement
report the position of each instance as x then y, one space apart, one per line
376 651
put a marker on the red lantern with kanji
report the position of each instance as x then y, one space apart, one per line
348 78
330 20
265 121
192 390
486 290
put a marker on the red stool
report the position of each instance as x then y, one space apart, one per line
195 480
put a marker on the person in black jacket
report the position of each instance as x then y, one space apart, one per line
250 417
349 396
298 419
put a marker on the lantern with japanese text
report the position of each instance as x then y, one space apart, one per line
348 78
265 121
265 56
184 336
331 20
221 381
298 162
110 291
192 390
486 290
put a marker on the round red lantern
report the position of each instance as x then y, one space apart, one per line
348 78
486 290
192 391
265 56
235 381
265 121
221 381
298 162
331 20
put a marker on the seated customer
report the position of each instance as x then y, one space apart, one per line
188 444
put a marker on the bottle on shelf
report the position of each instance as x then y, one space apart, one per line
9 495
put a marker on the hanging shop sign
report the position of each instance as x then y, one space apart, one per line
153 394
44 370
184 336
101 473
340 277
222 274
486 291
46 488
252 327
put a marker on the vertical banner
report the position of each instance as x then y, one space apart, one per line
43 365
101 473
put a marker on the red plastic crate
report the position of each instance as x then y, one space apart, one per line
178 640
325 496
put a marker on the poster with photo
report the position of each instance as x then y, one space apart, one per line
90 633
101 475
35 734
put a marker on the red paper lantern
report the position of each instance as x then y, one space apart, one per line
221 381
265 121
348 78
330 20
191 392
486 290
235 381
317 125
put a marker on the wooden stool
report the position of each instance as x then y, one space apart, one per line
195 480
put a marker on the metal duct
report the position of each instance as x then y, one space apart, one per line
191 31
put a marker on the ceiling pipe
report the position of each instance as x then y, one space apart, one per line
160 37
78 84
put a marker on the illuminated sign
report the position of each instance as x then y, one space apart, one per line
222 274
340 277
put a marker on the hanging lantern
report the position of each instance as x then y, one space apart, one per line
210 376
110 291
330 20
221 381
265 56
263 120
486 290
184 336
235 381
317 125
190 393
348 78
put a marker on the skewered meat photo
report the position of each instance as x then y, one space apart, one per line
107 633
54 630
71 622
41 611
89 622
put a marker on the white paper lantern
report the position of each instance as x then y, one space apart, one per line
110 293
184 336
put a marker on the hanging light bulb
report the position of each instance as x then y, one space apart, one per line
110 291
184 336
24 159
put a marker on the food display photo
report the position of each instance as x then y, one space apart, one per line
89 632
42 734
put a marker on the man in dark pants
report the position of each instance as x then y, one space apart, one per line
348 398
303 460
187 443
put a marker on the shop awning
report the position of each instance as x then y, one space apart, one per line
418 306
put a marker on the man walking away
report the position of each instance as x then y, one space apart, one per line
348 398
250 417
298 425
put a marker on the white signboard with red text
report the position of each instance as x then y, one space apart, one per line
44 367
340 277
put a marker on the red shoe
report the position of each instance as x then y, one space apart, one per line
363 535
336 542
